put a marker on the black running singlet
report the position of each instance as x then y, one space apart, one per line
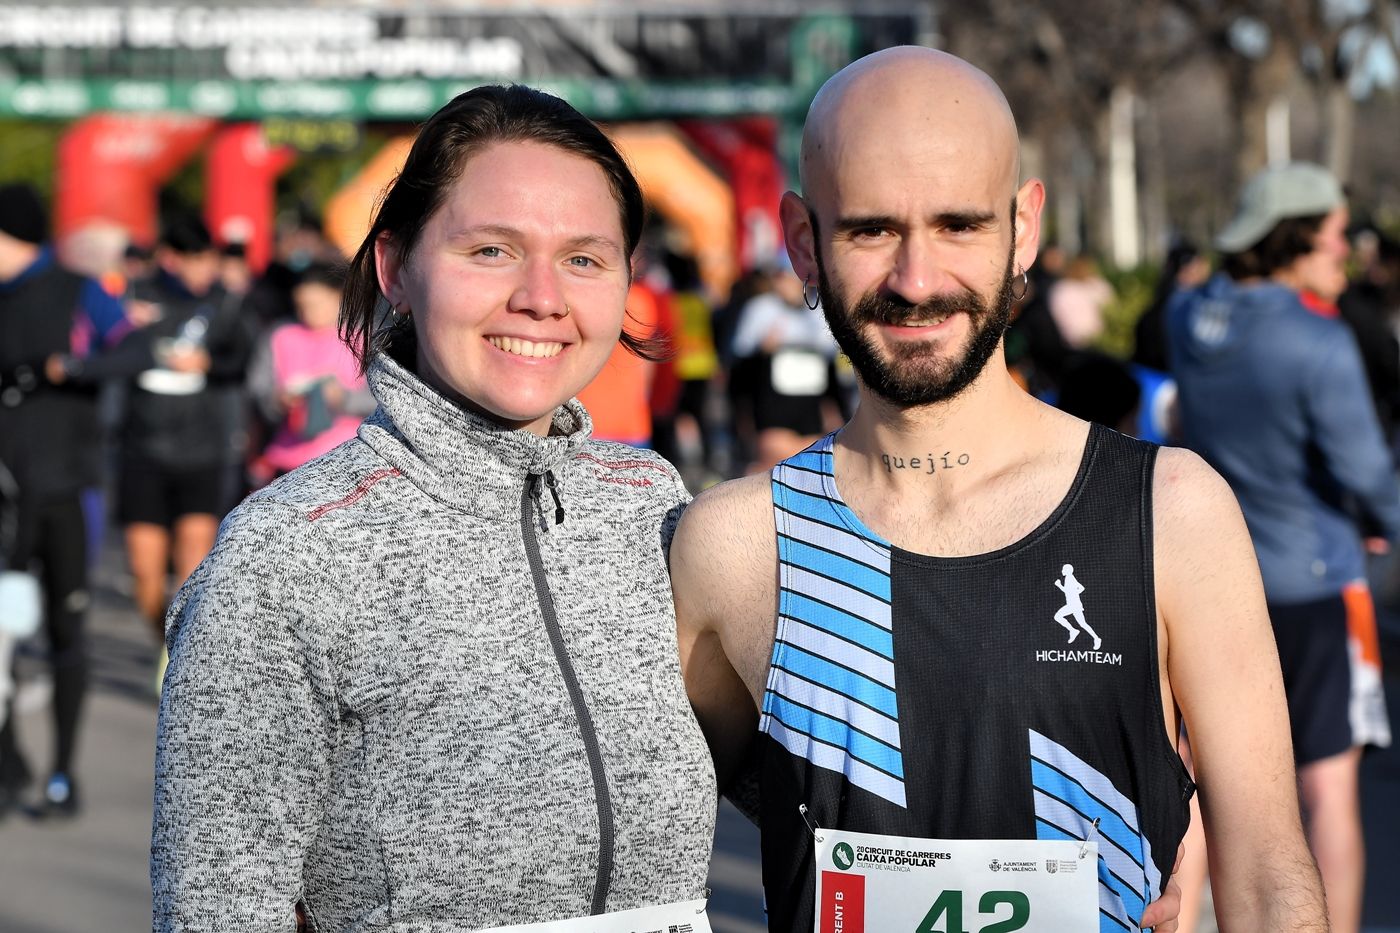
1009 695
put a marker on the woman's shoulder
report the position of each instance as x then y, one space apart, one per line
645 474
348 481
275 541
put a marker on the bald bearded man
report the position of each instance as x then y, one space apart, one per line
887 615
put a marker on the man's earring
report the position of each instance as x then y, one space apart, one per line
814 301
1025 287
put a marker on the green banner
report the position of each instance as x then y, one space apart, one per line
602 99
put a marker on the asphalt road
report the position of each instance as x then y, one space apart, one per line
89 875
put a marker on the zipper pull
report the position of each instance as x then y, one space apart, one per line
554 491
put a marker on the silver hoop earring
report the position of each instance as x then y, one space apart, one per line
813 302
1025 287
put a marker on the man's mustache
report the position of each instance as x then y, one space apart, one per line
885 309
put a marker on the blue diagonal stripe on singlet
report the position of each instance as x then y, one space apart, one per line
1047 780
838 678
796 500
834 758
835 566
834 535
1069 795
852 628
1113 912
816 458
822 644
1101 787
847 599
835 732
1116 870
833 638
837 705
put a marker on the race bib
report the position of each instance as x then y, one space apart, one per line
799 372
169 382
891 884
684 917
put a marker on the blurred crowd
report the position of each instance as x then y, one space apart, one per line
149 389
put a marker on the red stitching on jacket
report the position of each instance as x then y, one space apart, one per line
624 464
358 493
623 480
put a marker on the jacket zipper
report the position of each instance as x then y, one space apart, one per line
606 841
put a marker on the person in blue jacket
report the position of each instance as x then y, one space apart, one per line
1275 398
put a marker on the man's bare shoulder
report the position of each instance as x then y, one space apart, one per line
1187 494
726 520
724 556
1199 534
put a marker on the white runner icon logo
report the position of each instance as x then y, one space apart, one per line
1073 607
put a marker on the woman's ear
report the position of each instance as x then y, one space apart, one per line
388 266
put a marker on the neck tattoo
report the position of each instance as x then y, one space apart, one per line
928 464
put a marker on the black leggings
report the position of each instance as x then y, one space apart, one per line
52 541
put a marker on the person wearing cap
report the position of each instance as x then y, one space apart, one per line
1275 398
48 442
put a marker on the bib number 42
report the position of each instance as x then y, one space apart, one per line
946 914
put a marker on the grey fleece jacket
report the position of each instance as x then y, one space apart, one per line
379 702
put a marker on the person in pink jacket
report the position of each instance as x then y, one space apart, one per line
305 381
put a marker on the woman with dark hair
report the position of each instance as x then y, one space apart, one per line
430 679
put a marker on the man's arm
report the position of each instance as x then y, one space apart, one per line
1223 671
722 554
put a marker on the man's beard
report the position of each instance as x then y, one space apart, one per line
916 374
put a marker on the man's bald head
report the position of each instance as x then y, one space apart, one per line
891 100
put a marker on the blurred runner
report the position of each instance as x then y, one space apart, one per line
1274 396
50 319
305 380
791 351
177 438
696 364
1078 301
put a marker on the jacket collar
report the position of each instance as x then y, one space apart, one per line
463 459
